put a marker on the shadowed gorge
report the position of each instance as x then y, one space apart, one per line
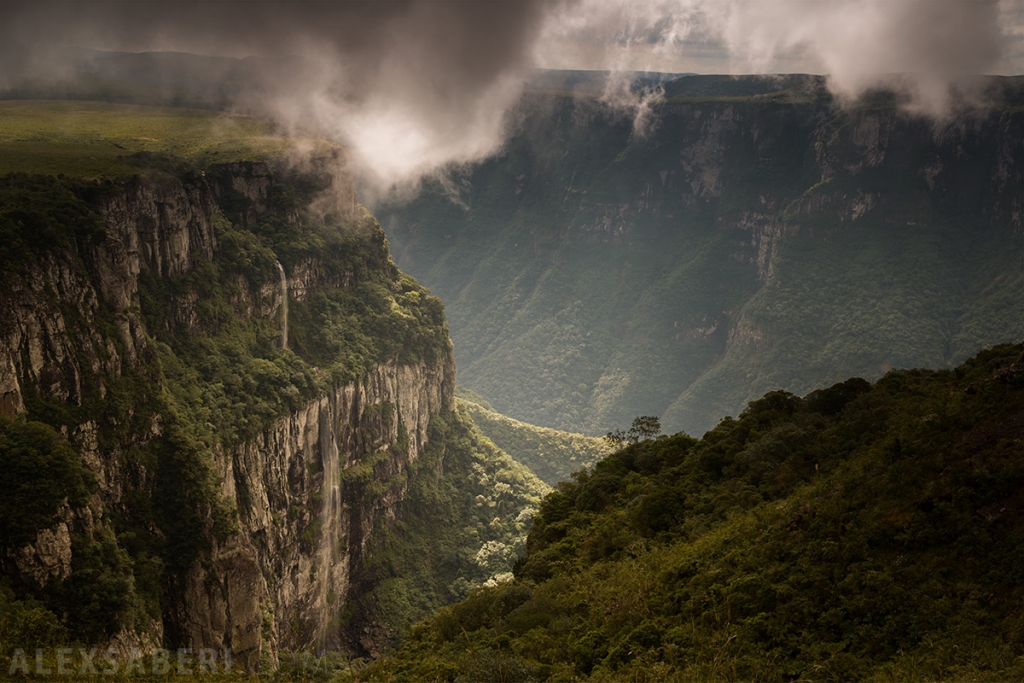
757 236
230 425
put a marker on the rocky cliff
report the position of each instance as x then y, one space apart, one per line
754 235
144 333
305 521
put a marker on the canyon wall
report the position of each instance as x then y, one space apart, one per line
308 491
739 243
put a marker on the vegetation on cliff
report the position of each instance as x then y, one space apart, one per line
862 532
211 373
551 454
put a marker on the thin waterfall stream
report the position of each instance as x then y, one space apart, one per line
330 513
284 305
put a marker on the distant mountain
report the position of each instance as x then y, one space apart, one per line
594 81
756 237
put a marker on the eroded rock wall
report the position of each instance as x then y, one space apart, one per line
304 524
303 521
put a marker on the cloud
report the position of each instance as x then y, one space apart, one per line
408 86
922 46
413 86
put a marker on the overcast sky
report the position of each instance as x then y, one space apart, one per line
412 85
705 36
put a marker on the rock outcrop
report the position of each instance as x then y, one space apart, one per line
304 525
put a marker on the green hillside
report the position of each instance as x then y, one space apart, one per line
751 240
863 532
551 454
100 139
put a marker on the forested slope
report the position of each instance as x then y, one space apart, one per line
862 532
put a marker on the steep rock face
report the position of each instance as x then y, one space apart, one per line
49 557
303 521
741 244
160 226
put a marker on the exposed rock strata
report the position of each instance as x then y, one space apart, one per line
302 526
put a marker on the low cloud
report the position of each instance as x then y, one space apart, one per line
413 87
925 48
408 86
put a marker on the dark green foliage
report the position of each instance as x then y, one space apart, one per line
186 503
862 532
39 474
98 598
644 427
349 330
45 484
41 216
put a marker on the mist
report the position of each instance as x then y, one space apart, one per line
413 87
927 49
408 87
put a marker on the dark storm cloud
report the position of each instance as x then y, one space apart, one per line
408 85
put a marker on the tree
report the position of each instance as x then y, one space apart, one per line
616 438
643 428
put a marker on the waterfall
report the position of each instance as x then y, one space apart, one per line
284 305
330 514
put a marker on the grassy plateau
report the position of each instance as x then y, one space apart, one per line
100 139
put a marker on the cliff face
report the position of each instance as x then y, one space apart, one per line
274 582
309 485
742 243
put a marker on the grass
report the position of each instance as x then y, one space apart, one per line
97 139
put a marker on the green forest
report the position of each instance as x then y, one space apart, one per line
861 532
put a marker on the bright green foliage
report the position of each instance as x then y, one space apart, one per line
466 513
551 454
863 532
